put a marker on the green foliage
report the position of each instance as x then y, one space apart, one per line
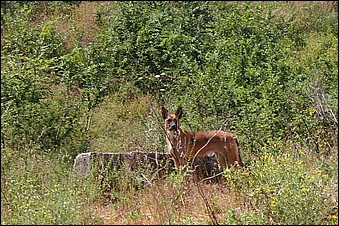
281 188
152 43
36 110
87 76
219 60
118 126
33 192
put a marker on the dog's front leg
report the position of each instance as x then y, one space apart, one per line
176 159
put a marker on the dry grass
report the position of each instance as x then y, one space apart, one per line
274 190
163 204
83 24
122 127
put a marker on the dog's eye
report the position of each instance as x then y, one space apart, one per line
175 120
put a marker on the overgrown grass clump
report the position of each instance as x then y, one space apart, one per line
42 189
294 187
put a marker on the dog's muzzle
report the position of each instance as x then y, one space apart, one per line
172 127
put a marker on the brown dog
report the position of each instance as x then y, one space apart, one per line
183 145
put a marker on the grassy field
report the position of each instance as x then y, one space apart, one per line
294 186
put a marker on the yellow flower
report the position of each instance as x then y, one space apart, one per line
312 112
334 217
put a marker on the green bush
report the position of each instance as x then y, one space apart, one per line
33 192
281 187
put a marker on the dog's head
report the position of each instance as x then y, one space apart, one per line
171 120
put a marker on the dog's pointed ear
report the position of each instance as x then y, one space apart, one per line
164 113
178 113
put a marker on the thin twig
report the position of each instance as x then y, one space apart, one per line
157 199
209 140
209 208
211 177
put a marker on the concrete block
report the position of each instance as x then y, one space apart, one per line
206 166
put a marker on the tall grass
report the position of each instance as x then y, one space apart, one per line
41 189
293 186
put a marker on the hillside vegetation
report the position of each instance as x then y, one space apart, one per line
91 76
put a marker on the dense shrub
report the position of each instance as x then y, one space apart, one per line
34 111
220 61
